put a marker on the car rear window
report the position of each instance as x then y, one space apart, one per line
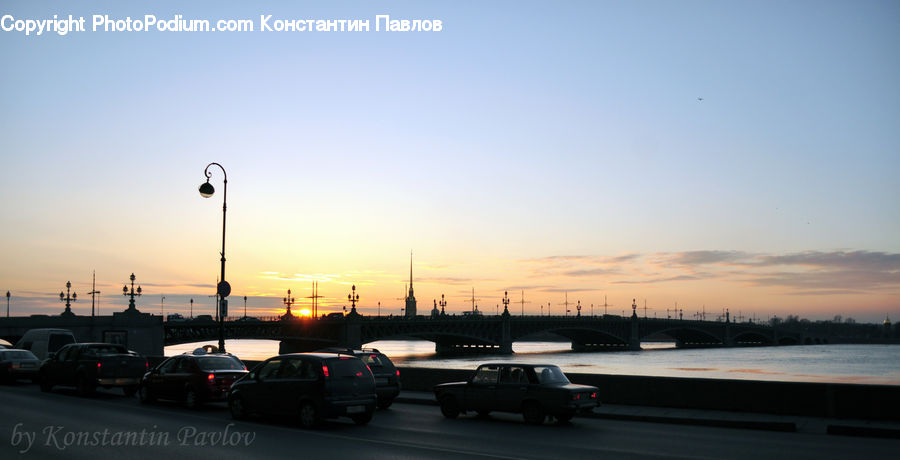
550 374
105 350
220 363
346 367
17 354
375 361
58 341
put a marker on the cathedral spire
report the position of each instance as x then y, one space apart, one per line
410 275
410 299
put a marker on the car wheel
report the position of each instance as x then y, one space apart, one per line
84 386
385 403
145 395
190 399
236 406
533 413
130 390
564 418
362 419
449 407
309 415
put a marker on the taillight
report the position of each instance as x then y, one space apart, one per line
594 395
359 374
211 377
576 396
147 365
99 365
398 372
325 370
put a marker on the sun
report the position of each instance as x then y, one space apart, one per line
305 312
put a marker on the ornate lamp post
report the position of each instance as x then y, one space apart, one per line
353 297
443 304
505 303
223 289
68 299
579 309
288 301
132 293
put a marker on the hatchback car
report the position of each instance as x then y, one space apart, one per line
18 364
310 387
387 377
193 378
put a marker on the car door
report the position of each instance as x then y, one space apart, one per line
157 380
261 396
179 379
512 388
68 364
52 367
481 389
293 382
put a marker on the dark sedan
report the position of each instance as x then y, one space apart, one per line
534 390
193 378
18 364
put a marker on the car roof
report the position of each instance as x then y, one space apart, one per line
320 355
517 364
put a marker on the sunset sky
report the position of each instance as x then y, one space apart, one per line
556 148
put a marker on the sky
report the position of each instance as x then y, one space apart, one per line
710 155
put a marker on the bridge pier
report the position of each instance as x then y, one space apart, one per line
634 340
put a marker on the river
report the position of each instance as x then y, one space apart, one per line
870 364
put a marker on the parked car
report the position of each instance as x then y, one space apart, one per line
309 386
387 377
18 364
535 391
175 317
42 342
89 365
193 378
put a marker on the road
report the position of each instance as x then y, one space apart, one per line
39 425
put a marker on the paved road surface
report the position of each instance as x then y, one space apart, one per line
61 423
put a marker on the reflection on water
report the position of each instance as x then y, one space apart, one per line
873 364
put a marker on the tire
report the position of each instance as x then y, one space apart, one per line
533 413
309 415
385 403
449 407
84 386
190 399
364 418
145 395
130 390
237 408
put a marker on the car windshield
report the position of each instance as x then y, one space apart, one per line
17 354
550 374
220 363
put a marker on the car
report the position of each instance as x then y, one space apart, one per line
18 364
44 341
309 387
89 365
387 377
534 390
193 378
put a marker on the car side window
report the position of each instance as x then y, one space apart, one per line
270 369
290 369
184 366
513 375
486 375
63 353
168 366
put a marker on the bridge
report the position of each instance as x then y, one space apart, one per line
487 334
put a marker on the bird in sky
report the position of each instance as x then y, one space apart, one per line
699 99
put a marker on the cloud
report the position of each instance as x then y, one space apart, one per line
659 280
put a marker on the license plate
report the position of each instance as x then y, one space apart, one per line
124 381
381 381
24 365
355 409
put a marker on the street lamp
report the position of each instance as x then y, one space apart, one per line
223 289
68 298
353 297
288 301
133 293
7 304
505 303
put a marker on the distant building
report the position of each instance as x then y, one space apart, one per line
410 298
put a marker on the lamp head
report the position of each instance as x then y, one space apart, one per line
207 190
